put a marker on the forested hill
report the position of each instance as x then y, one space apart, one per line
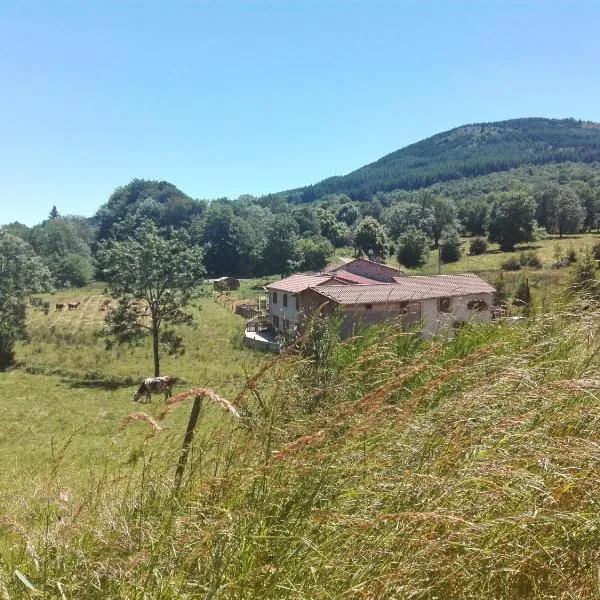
466 151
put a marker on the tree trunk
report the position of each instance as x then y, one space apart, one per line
155 350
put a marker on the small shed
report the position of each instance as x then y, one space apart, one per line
226 283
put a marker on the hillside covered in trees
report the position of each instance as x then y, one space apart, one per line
466 151
509 181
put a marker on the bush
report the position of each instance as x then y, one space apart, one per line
596 250
530 259
583 278
511 264
478 246
571 256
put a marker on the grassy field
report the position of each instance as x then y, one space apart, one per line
69 388
385 468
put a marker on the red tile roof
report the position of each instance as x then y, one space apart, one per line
406 289
348 277
298 283
374 270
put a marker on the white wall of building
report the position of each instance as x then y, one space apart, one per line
287 314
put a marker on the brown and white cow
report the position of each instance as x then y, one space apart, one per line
155 385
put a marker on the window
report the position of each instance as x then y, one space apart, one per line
297 302
368 306
477 305
276 321
445 305
274 297
285 299
403 308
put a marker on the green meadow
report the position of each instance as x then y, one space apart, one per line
377 467
65 401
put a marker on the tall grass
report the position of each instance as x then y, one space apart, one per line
460 468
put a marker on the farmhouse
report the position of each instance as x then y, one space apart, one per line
367 293
285 297
436 302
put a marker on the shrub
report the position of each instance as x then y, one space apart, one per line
583 278
523 295
596 250
511 264
478 246
530 259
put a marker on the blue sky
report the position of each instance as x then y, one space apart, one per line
226 98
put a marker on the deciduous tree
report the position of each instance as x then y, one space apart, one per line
413 248
511 219
22 274
163 274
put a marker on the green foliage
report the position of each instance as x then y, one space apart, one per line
229 242
64 245
523 294
313 253
413 248
279 253
530 259
141 200
348 213
409 214
570 212
450 246
163 274
472 214
478 245
444 217
370 238
22 273
466 152
584 282
511 264
510 219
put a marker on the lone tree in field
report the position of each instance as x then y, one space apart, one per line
22 274
152 277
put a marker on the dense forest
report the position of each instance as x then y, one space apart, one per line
509 181
466 151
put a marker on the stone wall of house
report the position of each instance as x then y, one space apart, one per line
357 315
435 321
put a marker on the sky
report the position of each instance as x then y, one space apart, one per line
225 97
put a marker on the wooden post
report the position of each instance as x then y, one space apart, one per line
187 440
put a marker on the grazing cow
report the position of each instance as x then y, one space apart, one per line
74 305
60 305
155 385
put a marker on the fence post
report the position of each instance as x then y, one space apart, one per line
187 440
